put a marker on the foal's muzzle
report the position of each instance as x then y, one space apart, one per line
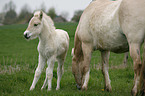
26 36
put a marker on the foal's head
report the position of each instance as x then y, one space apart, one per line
35 26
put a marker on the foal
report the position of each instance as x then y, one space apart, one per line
53 45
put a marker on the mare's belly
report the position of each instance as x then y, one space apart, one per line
116 42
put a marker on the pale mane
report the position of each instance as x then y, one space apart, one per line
48 20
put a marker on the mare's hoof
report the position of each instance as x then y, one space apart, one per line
84 88
108 88
79 87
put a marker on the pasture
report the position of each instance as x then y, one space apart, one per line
19 58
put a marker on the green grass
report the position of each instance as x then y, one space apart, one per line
19 58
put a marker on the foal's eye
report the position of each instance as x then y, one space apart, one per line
35 24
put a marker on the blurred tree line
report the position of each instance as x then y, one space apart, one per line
10 16
77 15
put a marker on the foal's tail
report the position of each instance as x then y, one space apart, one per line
142 77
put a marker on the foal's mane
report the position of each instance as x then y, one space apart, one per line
47 20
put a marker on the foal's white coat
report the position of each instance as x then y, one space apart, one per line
53 45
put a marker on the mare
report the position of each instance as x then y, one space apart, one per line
105 25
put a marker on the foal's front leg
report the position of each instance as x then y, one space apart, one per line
105 67
49 74
38 71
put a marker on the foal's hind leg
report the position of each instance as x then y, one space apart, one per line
59 72
45 82
50 73
105 67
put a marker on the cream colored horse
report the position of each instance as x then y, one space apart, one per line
142 77
53 45
116 26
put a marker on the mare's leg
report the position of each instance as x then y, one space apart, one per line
125 58
87 51
38 71
105 66
142 77
135 54
86 80
59 72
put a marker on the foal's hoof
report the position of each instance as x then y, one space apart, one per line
133 93
42 88
49 89
57 88
31 88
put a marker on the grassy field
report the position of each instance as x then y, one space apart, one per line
18 61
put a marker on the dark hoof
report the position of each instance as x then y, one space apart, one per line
79 87
108 88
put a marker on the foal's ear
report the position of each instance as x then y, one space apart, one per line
41 14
